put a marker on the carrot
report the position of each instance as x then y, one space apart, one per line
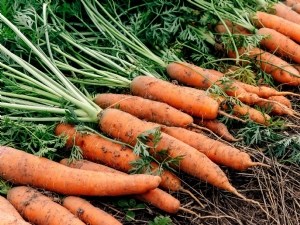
286 12
98 149
291 2
217 151
233 28
192 101
280 70
10 219
217 127
193 162
6 207
281 25
296 8
280 44
88 213
145 109
264 91
40 209
198 77
281 99
155 197
23 168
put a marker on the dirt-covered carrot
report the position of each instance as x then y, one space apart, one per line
117 156
280 44
283 26
193 162
145 109
192 101
40 209
10 219
156 197
88 213
280 70
217 151
8 208
286 12
217 127
23 168
201 78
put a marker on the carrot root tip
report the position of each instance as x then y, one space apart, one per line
193 196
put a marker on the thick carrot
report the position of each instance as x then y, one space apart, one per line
117 156
296 8
264 91
40 209
217 151
280 70
193 162
6 207
283 26
201 78
145 109
286 12
192 101
280 44
217 127
291 2
10 219
88 213
281 99
155 197
23 168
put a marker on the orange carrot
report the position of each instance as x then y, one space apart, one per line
192 101
201 78
88 213
98 149
155 197
280 70
217 151
217 127
10 219
6 207
296 8
280 44
145 109
40 209
283 26
291 2
286 12
233 28
193 162
281 99
30 170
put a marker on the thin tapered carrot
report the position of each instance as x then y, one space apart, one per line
146 109
155 197
23 168
283 26
217 127
193 162
88 213
217 151
286 12
10 219
40 209
189 100
117 156
201 78
8 208
280 44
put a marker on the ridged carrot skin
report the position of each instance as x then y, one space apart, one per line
217 151
156 197
280 44
281 99
145 109
8 208
189 100
98 149
10 219
23 168
88 213
283 26
40 209
194 162
286 12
